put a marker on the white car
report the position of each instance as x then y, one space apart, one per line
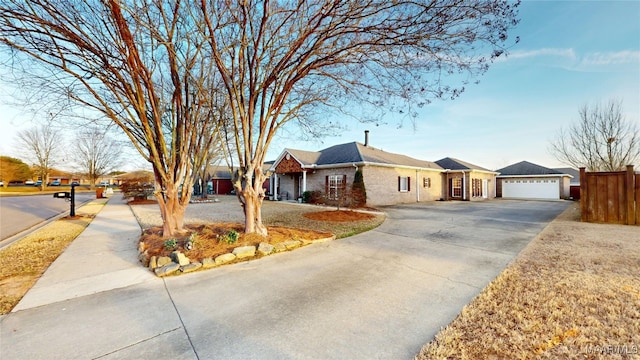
29 182
104 183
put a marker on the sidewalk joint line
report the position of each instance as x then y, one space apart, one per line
164 282
134 344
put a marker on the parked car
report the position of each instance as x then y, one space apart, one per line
29 182
75 183
104 183
55 183
38 183
1 183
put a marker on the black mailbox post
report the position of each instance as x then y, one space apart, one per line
68 195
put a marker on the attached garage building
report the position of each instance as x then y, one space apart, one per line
525 180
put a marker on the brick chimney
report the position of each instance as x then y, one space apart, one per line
366 138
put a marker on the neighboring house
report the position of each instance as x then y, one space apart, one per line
388 178
218 179
574 183
465 181
526 180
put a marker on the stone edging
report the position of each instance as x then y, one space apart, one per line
178 263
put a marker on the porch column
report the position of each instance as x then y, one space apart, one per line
275 186
304 181
271 180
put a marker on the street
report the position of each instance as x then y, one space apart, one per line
18 213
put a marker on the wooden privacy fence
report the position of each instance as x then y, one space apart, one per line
610 197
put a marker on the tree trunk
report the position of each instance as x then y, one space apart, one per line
171 209
248 186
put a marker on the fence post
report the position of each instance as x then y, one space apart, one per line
629 183
583 195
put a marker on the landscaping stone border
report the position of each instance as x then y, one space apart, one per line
178 263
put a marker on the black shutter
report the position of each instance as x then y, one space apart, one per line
326 184
409 183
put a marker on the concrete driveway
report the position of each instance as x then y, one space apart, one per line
377 295
381 294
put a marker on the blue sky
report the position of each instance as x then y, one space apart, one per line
570 53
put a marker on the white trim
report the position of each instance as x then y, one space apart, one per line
366 163
534 176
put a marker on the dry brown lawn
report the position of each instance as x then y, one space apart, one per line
23 262
573 293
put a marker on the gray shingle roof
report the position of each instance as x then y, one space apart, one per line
571 171
455 164
355 152
305 157
527 168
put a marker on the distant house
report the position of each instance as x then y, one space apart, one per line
466 181
574 183
525 180
389 178
218 179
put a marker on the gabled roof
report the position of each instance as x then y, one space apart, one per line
527 168
355 153
571 171
455 164
303 157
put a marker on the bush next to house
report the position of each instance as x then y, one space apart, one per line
312 197
358 191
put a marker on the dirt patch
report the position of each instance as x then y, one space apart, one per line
212 240
572 293
338 216
78 217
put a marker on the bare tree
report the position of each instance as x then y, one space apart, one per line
141 64
283 62
601 140
95 153
44 144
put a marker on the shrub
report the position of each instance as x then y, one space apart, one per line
231 237
171 244
137 188
312 197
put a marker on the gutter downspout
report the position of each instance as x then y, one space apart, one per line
417 186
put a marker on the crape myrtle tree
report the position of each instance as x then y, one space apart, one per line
289 61
141 64
600 140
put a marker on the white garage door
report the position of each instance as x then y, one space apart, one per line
531 189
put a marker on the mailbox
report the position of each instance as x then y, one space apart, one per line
62 195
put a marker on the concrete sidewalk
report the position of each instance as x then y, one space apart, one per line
102 258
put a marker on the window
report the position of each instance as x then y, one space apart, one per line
426 182
335 186
456 187
404 183
476 187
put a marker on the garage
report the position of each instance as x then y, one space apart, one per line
531 188
525 180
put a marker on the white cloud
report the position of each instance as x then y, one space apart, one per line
612 58
524 54
570 60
